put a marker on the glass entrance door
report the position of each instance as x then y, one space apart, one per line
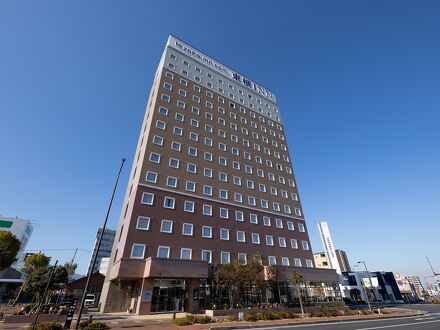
168 296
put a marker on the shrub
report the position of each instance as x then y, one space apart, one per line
251 317
181 321
96 325
332 313
203 319
47 326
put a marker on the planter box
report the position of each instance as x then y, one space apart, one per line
30 318
308 309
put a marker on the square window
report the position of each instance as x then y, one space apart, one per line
223 177
179 117
297 262
305 245
189 206
192 151
266 221
207 209
282 242
143 223
293 243
255 238
224 234
147 198
151 177
207 172
163 111
190 186
137 251
163 252
207 232
154 157
176 146
225 257
158 140
272 260
241 236
239 216
223 194
242 258
301 228
192 168
161 125
168 202
279 223
224 213
269 240
171 182
185 254
194 123
290 225
309 263
253 218
238 198
178 131
174 163
166 226
207 255
187 229
207 190
285 261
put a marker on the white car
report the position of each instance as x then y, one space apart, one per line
90 300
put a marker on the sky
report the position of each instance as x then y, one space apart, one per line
357 83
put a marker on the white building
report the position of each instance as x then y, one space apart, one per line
105 248
22 229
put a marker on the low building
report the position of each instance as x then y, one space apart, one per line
10 281
321 260
76 288
22 229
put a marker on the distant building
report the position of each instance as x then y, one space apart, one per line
22 229
103 267
321 260
416 286
104 250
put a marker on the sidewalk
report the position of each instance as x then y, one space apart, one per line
163 321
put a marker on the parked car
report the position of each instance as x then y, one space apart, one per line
90 300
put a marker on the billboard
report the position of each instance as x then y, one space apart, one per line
328 246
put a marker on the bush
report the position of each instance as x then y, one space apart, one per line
96 325
384 311
47 326
251 317
203 319
181 321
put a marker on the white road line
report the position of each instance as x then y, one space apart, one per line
335 322
398 325
426 318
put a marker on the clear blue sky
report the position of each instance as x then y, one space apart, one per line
358 84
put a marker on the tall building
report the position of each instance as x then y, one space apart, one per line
417 286
212 181
22 229
105 248
321 260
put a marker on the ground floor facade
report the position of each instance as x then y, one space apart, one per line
167 285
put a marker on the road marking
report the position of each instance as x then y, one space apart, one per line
426 318
338 322
398 325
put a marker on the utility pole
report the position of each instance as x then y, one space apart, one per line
89 275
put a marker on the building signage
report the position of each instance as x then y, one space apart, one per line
328 246
402 283
200 57
146 296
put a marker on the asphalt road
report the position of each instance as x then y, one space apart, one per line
430 321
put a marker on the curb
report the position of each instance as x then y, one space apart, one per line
252 326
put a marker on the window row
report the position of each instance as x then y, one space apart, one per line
138 252
167 227
222 122
190 186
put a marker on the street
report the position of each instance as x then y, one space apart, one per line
428 321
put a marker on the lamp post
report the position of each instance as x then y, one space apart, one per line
89 275
365 290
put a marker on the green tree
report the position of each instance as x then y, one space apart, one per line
298 281
9 247
70 268
37 271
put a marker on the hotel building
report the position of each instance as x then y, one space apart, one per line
212 181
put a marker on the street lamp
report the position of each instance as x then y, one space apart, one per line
89 275
371 283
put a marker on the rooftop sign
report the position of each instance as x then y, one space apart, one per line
213 64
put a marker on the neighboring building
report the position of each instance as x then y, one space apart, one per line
76 287
105 248
22 229
212 181
321 260
103 267
417 287
10 281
